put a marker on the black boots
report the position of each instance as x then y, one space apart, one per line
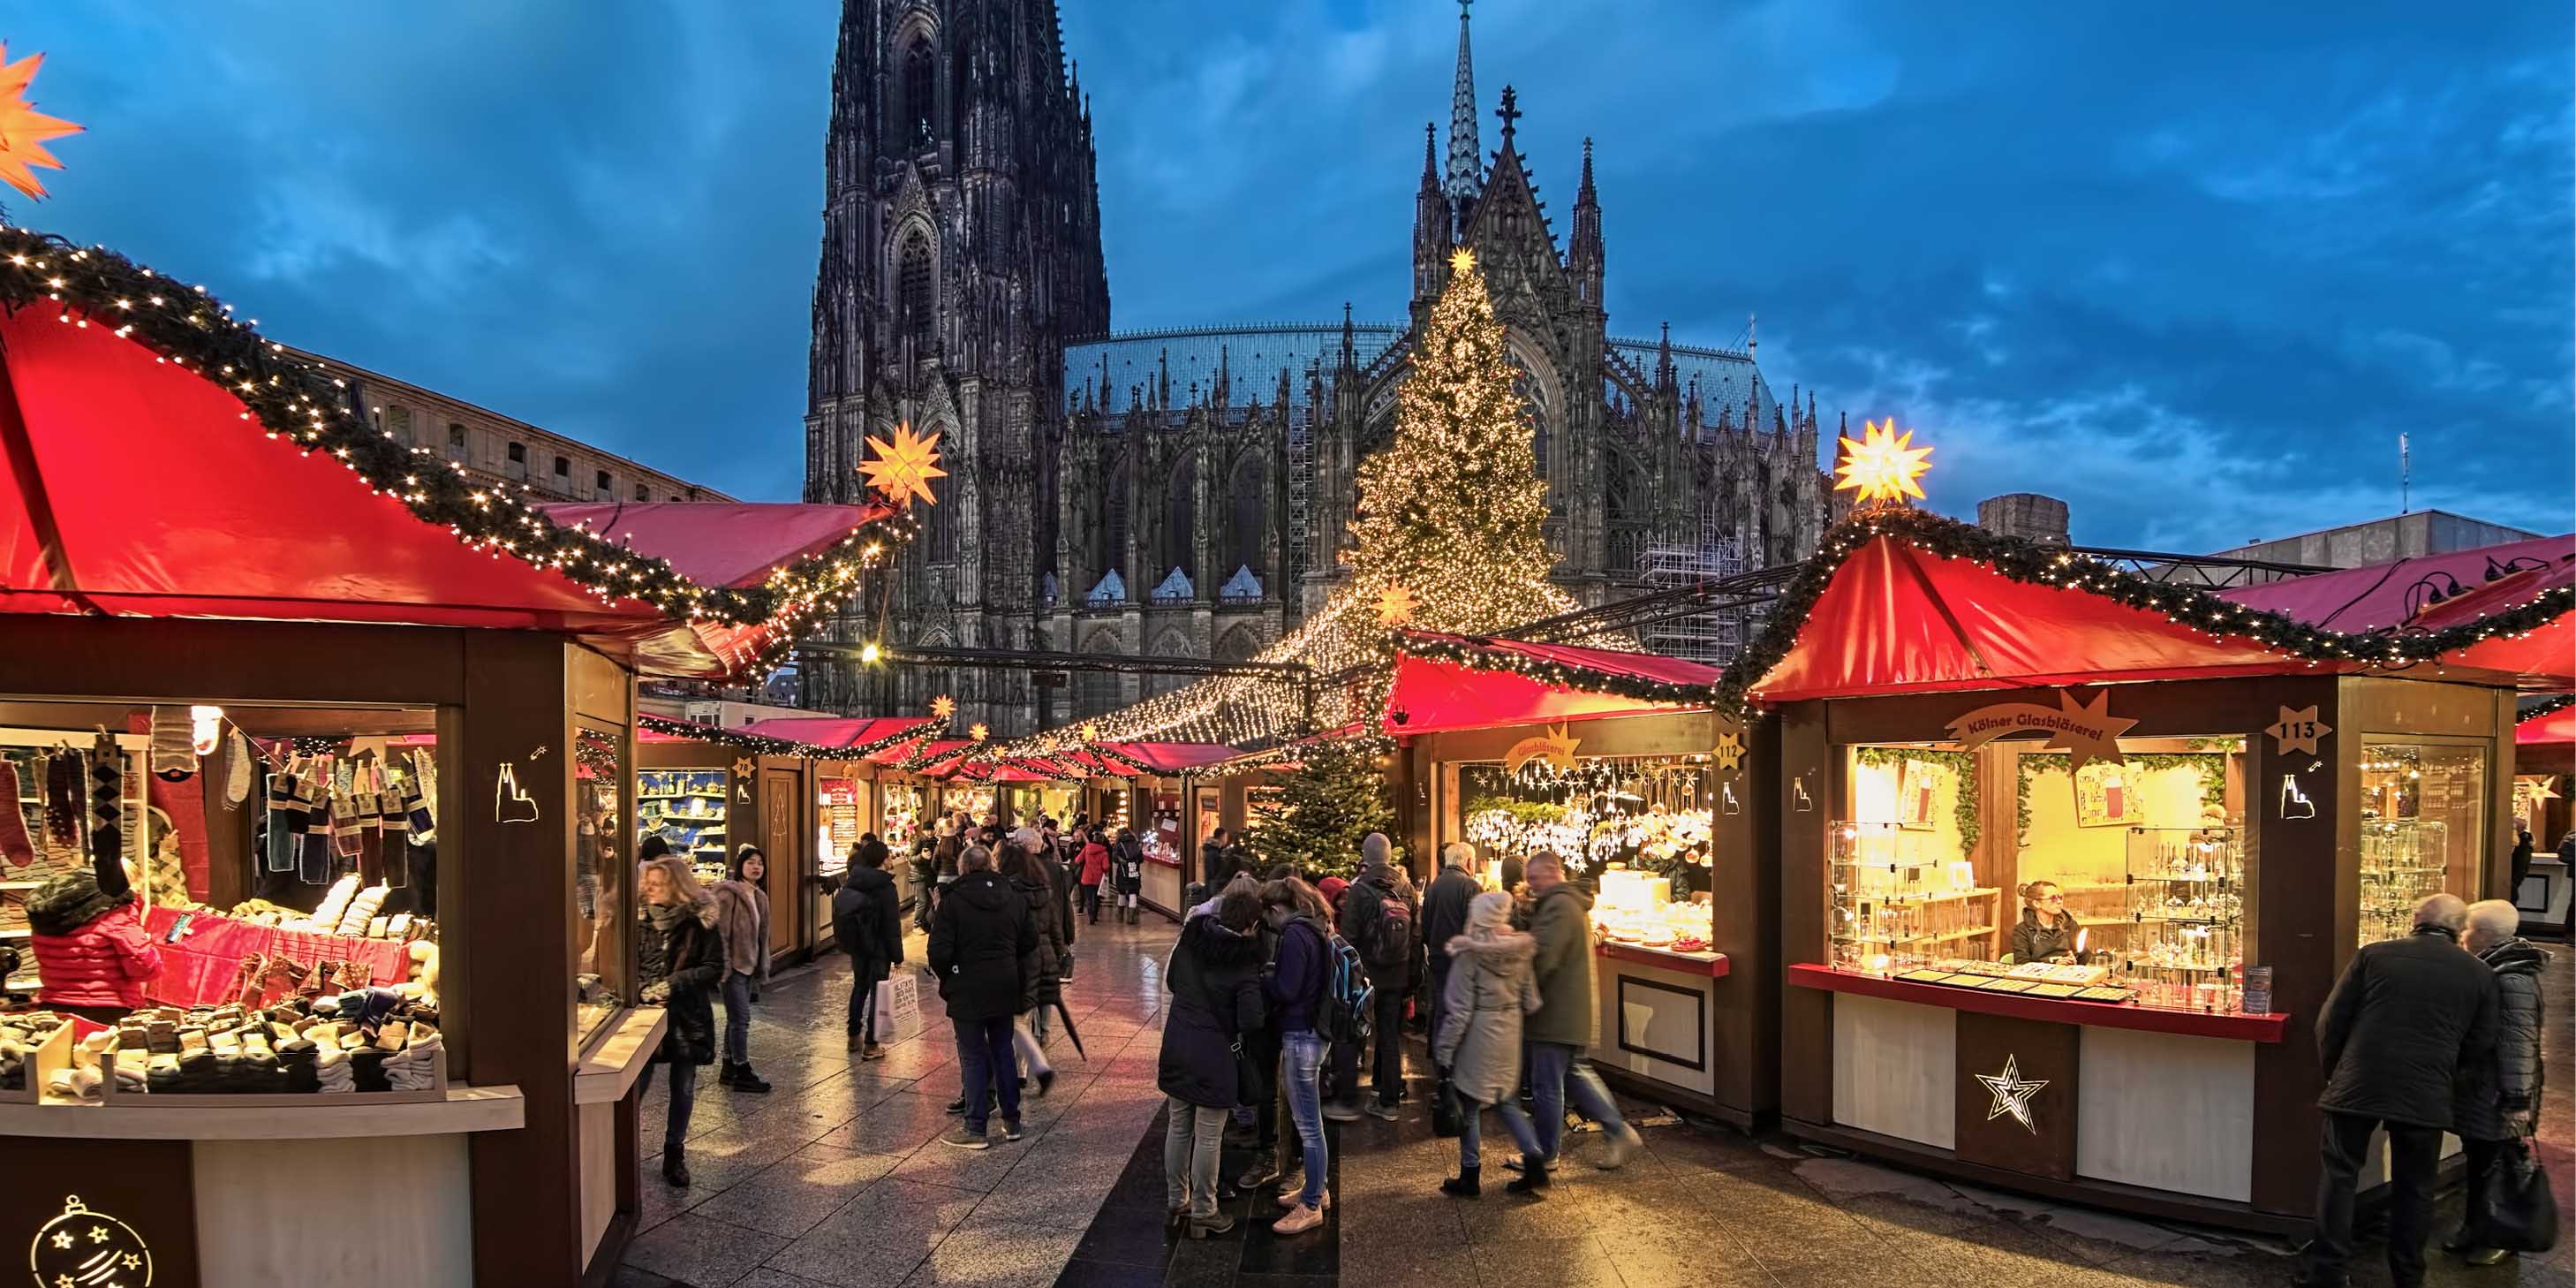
1467 1184
740 1077
1533 1177
675 1168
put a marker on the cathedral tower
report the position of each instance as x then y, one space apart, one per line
961 247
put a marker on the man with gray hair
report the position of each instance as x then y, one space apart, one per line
2405 1019
1444 917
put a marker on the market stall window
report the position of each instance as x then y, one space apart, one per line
2115 879
687 808
2422 827
900 820
258 881
603 972
1634 830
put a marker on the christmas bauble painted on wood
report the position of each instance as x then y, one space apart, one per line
85 1249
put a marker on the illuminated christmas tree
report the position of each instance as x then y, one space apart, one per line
1451 510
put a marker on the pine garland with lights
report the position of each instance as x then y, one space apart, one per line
1485 653
765 745
299 400
2548 706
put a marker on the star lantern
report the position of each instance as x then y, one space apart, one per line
979 731
1394 606
943 707
23 129
903 466
1090 732
1462 260
1883 465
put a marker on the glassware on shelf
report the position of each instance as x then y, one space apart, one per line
1897 899
2402 864
2187 910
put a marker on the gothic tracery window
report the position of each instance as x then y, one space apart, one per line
920 87
1247 529
918 313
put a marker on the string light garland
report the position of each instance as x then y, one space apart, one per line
1481 653
765 745
290 397
2548 706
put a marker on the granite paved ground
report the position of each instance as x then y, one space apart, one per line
834 1179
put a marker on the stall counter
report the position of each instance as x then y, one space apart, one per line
1657 1020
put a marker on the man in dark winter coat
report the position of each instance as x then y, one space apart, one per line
867 922
1217 861
982 941
1380 913
1444 917
2407 1016
2497 1101
1562 1029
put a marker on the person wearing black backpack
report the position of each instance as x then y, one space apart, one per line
1379 915
1298 986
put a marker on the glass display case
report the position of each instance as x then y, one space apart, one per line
1638 908
601 969
2423 827
687 809
2401 866
2187 910
1900 897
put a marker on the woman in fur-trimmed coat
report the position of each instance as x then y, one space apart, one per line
681 956
1492 985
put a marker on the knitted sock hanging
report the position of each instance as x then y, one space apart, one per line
16 847
63 799
174 751
106 804
237 769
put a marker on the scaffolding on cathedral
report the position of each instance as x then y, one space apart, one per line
1717 633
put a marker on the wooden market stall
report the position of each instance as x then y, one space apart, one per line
324 621
2216 805
1618 762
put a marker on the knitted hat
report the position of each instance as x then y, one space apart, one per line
68 902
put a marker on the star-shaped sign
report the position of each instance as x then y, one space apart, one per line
742 767
903 466
2298 731
2085 731
2012 1093
943 706
2536 787
1730 752
1394 606
1553 747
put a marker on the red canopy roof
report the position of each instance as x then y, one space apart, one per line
2544 658
1896 617
2557 726
720 543
844 731
2378 596
1480 683
130 486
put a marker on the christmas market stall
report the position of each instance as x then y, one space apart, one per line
1617 762
2544 772
2070 858
356 733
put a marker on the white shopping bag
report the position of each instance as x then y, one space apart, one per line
899 1005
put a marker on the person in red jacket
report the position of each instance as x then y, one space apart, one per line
1095 869
91 948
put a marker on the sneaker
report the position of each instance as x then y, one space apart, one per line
1011 1129
1620 1148
1341 1113
1260 1175
1376 1109
1299 1220
745 1080
957 1108
872 1052
2487 1256
1292 1195
960 1137
853 1047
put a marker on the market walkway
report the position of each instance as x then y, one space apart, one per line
833 1179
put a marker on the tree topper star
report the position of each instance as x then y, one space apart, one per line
1462 260
1882 466
2012 1093
23 129
903 467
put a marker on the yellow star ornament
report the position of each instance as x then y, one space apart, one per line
943 706
1462 260
979 731
23 129
1394 606
1883 465
904 466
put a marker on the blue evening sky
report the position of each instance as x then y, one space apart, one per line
2191 266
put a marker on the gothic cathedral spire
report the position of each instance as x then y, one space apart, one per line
1466 158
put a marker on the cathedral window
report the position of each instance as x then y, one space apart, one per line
912 277
920 88
1247 529
1179 546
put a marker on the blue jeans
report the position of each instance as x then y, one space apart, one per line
1554 1069
1471 1131
684 1097
984 1068
737 1000
1302 1054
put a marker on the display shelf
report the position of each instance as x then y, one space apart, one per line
1712 964
53 1053
459 1110
618 1056
1969 933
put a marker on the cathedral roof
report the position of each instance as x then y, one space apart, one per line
1253 357
1724 376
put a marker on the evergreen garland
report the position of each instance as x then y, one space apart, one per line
2211 768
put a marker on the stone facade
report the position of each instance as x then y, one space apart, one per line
1189 492
2026 515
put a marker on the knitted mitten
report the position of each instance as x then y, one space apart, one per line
17 849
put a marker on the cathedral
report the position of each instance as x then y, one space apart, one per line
1186 492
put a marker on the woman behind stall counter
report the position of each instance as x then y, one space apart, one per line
681 956
2046 931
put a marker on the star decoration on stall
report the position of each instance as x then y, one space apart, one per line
2536 788
1882 465
1553 747
2085 731
23 129
1394 606
1090 731
1729 752
979 731
2012 1093
942 707
904 465
742 767
2298 731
